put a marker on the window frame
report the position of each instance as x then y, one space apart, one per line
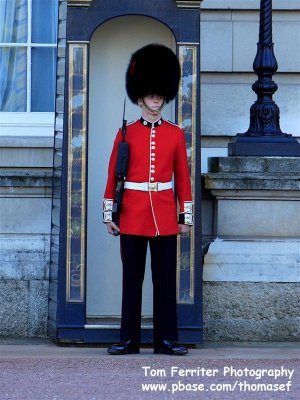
28 123
15 123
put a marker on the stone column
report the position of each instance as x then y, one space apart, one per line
252 268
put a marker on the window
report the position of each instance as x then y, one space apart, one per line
28 35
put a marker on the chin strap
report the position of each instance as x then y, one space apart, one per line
151 110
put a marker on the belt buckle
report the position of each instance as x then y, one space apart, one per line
153 187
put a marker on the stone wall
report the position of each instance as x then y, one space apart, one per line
233 309
25 204
26 164
248 311
251 269
229 33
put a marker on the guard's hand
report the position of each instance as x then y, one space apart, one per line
111 227
182 228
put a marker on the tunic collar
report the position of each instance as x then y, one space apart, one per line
151 124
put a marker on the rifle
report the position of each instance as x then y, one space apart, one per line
121 172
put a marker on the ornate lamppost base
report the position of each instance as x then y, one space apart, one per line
264 136
264 146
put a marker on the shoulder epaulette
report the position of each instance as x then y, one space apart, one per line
131 122
172 123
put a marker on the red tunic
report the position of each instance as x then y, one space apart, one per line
156 154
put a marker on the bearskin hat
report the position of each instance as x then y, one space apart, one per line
153 69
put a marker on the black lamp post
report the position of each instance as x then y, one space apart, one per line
264 136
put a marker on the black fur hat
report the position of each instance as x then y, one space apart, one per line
153 69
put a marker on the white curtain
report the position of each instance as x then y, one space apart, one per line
13 29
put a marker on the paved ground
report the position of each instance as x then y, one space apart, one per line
38 370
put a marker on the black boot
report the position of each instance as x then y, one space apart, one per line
170 347
128 347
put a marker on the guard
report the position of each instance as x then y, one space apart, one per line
157 158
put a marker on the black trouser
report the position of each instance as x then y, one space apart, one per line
163 266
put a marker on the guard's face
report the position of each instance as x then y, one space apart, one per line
154 101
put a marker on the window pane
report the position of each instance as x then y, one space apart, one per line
43 79
13 21
44 21
13 81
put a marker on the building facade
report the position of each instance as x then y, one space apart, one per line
250 270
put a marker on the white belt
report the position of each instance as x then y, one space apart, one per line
148 186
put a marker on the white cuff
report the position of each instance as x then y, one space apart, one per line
107 210
188 213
